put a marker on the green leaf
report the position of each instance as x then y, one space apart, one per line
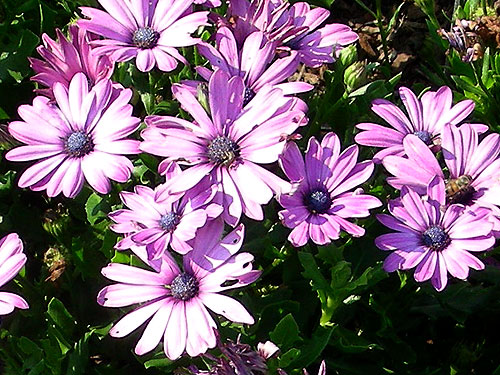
96 208
313 347
61 316
157 362
289 357
286 332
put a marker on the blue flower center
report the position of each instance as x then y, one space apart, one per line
184 287
78 144
222 150
435 238
424 136
249 95
145 37
318 201
169 221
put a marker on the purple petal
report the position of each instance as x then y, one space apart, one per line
134 319
155 329
227 307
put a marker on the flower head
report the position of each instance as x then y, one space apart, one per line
175 300
150 31
159 223
426 119
227 144
252 62
63 59
79 137
293 28
434 239
472 165
322 199
12 260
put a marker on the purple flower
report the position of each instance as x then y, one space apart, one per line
322 201
472 164
426 119
434 239
63 59
252 62
294 28
227 144
157 223
12 260
175 300
77 138
148 30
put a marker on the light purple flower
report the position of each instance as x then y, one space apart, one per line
175 300
12 260
228 144
79 137
294 27
252 62
157 223
434 239
463 155
322 199
426 119
63 59
150 31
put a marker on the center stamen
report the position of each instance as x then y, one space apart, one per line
435 238
249 95
222 150
145 37
424 136
184 287
78 144
318 201
169 221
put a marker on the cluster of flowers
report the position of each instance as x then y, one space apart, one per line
244 113
449 183
244 116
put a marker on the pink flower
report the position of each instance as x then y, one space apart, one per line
228 144
426 120
63 59
322 199
175 300
294 28
150 31
465 158
158 223
12 260
434 239
252 63
77 138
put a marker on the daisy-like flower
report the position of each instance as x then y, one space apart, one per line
79 137
322 201
157 223
294 28
434 239
472 179
12 260
63 59
471 164
252 63
176 300
426 119
150 31
227 144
